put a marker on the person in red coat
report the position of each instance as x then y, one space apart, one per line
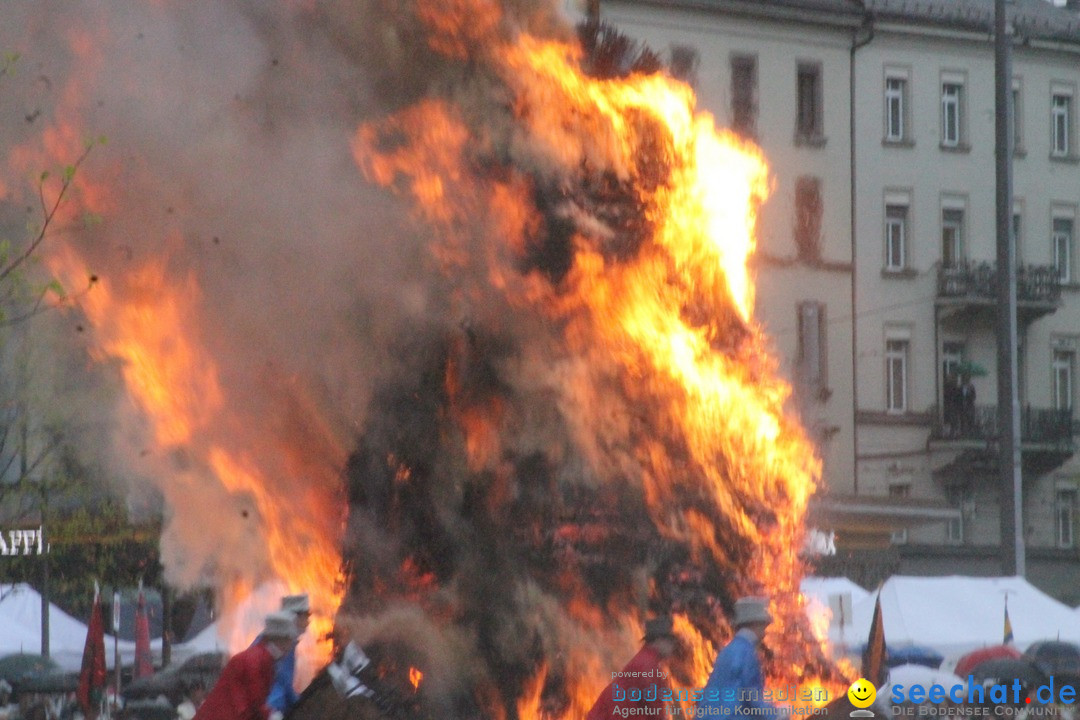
242 689
641 685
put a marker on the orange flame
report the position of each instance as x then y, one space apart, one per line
175 384
674 323
415 676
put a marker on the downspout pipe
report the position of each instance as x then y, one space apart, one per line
860 37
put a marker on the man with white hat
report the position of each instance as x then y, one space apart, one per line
240 692
283 695
736 685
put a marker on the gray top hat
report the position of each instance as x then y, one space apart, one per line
752 609
280 626
296 603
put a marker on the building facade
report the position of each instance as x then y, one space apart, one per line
877 271
926 273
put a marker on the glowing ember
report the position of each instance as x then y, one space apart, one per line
415 676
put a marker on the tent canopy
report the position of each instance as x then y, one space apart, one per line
957 614
20 630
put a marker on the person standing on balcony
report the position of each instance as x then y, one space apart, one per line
952 401
967 395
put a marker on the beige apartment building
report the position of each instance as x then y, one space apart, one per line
877 261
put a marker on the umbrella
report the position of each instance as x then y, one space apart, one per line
48 683
14 667
1004 668
908 675
969 368
1055 657
205 667
994 652
913 655
908 655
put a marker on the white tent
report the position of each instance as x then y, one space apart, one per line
822 589
829 603
20 630
205 641
957 614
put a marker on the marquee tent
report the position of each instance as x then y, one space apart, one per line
20 630
957 614
822 588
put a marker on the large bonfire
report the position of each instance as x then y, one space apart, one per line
450 325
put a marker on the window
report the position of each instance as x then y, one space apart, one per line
1017 117
808 121
952 354
954 416
958 497
896 360
744 95
896 237
951 106
684 63
1063 513
900 491
1062 247
1064 361
808 209
812 344
895 95
952 236
1017 237
1060 113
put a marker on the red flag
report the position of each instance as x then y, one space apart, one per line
93 676
144 664
874 667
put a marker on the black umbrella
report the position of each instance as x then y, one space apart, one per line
56 682
1004 670
1055 657
15 667
204 668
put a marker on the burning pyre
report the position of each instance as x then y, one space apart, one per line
556 419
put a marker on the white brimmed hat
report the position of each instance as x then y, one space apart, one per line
751 609
280 626
296 603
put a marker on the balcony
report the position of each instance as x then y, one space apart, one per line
1046 440
972 287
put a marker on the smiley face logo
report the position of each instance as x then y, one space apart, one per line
862 693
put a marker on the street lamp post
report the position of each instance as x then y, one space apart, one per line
1012 539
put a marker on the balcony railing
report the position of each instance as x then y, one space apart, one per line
1038 426
1034 283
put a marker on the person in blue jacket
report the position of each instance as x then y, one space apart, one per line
736 686
282 694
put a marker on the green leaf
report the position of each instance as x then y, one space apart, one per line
69 172
57 288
